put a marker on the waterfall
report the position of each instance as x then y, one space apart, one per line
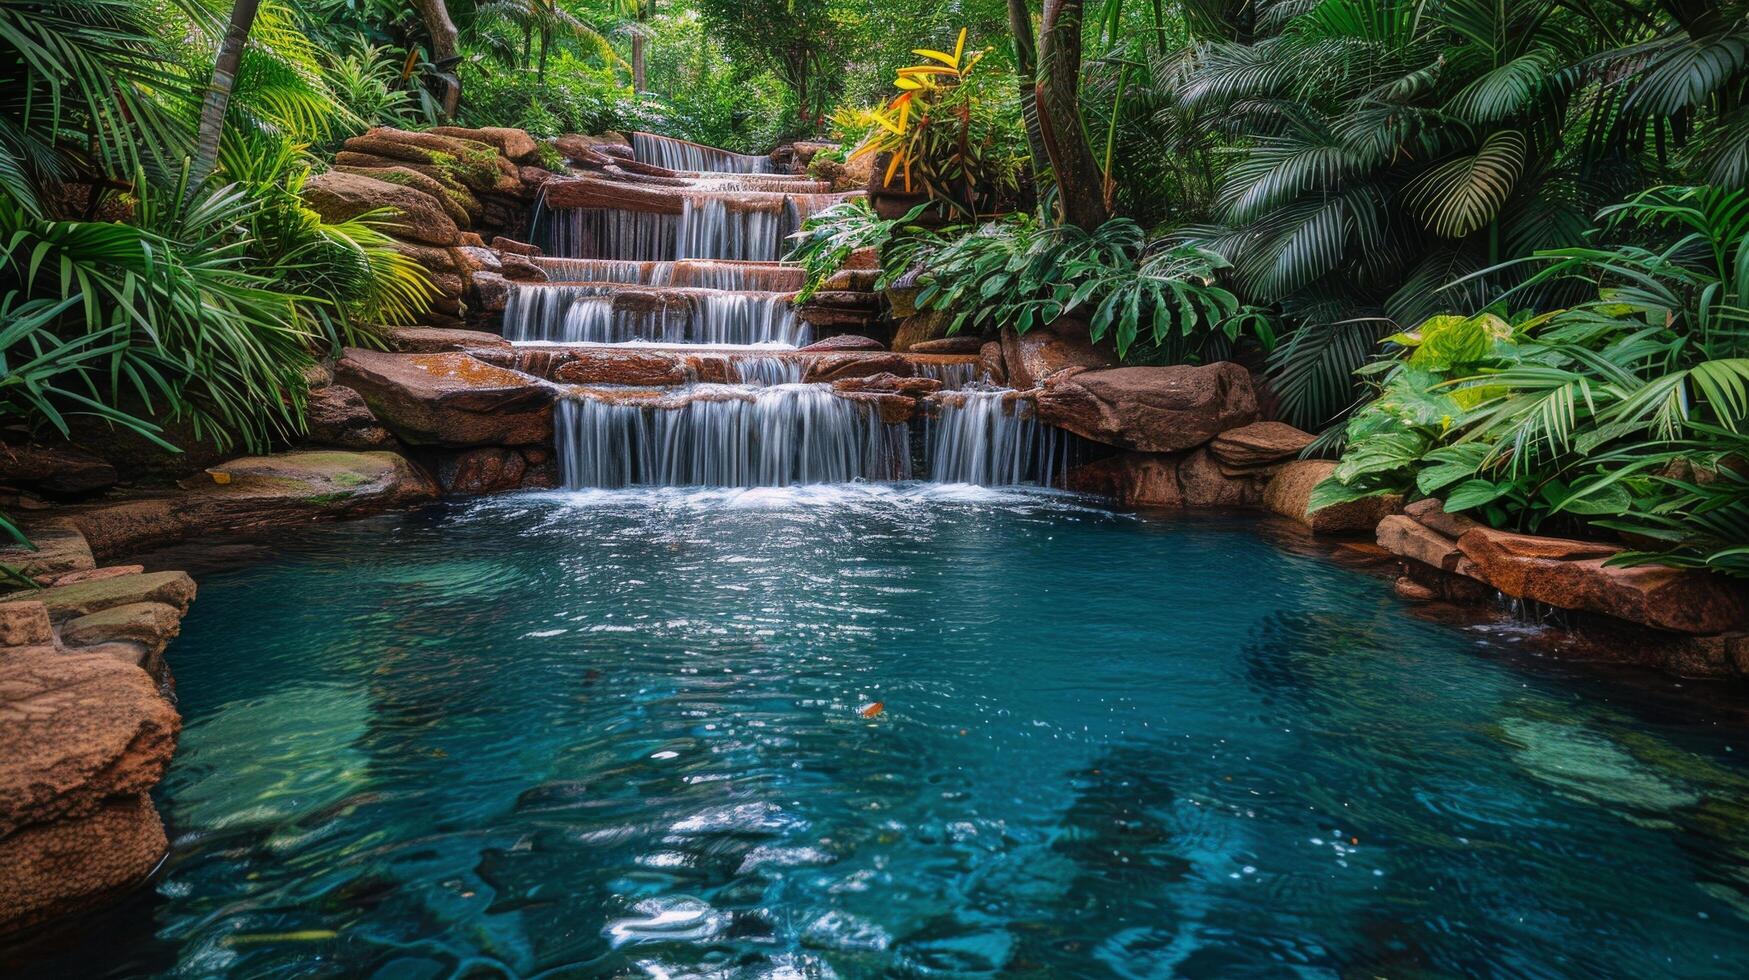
709 229
729 437
611 233
664 151
607 313
769 370
606 270
983 437
953 376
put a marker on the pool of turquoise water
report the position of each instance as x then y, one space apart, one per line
629 734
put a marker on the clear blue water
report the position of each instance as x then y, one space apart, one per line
621 734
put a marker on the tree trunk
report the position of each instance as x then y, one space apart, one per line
637 62
1026 76
445 49
218 93
1080 192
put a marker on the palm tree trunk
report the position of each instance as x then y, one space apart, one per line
1026 76
218 92
445 49
637 62
1080 191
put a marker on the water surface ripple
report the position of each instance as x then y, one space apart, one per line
625 734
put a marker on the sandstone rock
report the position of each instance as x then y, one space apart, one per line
257 492
518 269
1132 479
515 144
55 471
461 206
150 624
450 399
1290 489
81 729
892 409
1152 409
1202 483
1260 444
482 471
889 383
338 196
853 364
475 164
1430 513
490 293
51 871
437 340
1413 591
431 257
60 549
1029 358
852 280
922 328
621 367
510 246
990 355
962 344
1406 537
25 623
846 341
337 416
1572 575
65 602
95 574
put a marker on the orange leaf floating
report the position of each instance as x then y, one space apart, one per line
872 708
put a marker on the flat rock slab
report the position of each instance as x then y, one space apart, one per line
450 399
1574 575
174 589
437 340
258 492
1260 444
1150 409
60 550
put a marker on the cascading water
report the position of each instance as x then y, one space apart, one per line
711 435
709 275
589 313
990 439
665 151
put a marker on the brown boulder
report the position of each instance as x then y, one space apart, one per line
921 328
1259 444
481 471
1290 490
337 416
65 602
892 409
1031 357
963 344
450 399
846 341
889 383
1152 409
1408 538
1572 575
438 340
515 144
854 364
25 623
1431 513
61 471
462 207
1132 479
1203 484
472 163
257 492
151 625
54 870
338 196
59 549
510 246
81 729
643 369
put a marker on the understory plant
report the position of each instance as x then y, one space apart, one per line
1156 300
1622 414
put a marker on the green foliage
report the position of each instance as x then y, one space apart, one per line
573 97
829 237
1159 297
1623 413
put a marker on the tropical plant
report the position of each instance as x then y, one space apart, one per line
1624 413
1159 297
943 134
